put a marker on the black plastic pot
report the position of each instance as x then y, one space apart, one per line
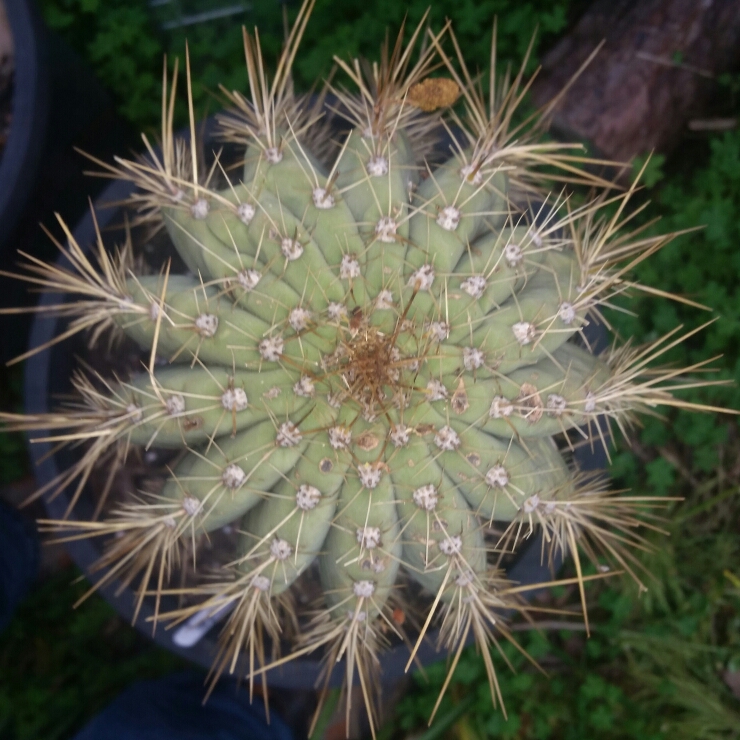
22 156
57 104
47 377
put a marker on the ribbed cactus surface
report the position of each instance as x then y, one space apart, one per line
373 364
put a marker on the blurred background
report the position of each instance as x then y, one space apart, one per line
662 664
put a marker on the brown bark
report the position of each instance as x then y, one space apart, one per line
655 71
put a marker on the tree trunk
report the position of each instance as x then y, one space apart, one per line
655 71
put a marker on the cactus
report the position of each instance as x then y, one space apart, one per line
376 367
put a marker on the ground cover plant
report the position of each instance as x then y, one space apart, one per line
594 691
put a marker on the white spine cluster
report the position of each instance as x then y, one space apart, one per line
200 209
449 218
340 437
474 286
206 324
307 497
385 230
377 166
289 435
299 319
249 279
422 279
497 477
447 439
304 387
292 249
368 537
233 476
370 474
271 348
426 497
350 267
175 404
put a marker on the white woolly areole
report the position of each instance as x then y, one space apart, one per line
422 279
436 390
447 439
340 437
400 435
154 311
307 497
273 155
535 237
524 332
335 400
368 537
449 218
384 300
322 199
233 476
169 521
500 407
271 348
199 209
567 312
234 399
378 565
299 318
363 589
261 583
305 387
292 249
555 404
497 477
473 358
248 279
134 412
370 474
206 324
289 435
336 311
191 505
472 174
360 616
531 504
440 330
474 286
465 579
175 404
377 166
350 267
513 254
451 545
426 497
385 230
246 212
280 549
590 405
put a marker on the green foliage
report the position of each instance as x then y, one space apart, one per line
123 41
60 666
704 266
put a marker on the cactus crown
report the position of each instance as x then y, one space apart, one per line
377 367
